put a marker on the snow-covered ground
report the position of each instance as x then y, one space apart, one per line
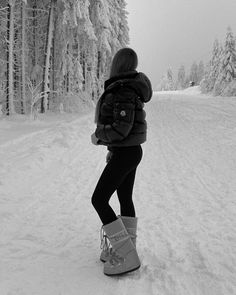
185 197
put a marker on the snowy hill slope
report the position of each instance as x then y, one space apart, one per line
185 198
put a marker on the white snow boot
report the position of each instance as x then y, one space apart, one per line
124 256
130 224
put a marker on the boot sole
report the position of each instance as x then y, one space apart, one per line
122 273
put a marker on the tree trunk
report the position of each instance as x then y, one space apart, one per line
35 40
23 61
53 76
10 59
16 67
83 64
7 72
45 86
98 64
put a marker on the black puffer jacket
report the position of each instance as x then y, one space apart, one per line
120 114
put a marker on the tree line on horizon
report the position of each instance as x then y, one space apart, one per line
217 77
183 79
56 52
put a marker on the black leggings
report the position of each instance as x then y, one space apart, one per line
118 175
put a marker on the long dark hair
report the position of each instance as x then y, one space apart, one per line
125 60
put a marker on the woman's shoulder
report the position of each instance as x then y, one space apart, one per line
143 77
143 86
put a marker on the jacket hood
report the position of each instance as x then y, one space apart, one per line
133 79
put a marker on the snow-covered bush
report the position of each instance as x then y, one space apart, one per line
204 85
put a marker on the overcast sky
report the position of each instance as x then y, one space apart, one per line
168 33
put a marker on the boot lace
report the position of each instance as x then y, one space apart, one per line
105 243
115 258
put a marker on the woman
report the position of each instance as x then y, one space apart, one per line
121 126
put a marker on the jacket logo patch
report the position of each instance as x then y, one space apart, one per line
123 113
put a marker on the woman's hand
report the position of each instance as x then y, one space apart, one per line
94 139
108 157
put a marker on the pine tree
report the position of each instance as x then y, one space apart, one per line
170 79
193 76
167 82
162 84
181 78
212 69
118 18
205 82
229 58
109 27
227 68
215 64
200 72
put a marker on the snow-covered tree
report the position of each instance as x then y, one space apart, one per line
99 13
109 19
10 58
170 79
215 64
205 82
23 57
229 58
166 82
227 70
181 78
193 76
65 46
212 69
119 22
48 47
200 72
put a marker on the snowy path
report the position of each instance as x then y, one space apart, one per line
185 198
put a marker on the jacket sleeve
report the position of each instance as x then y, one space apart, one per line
123 119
